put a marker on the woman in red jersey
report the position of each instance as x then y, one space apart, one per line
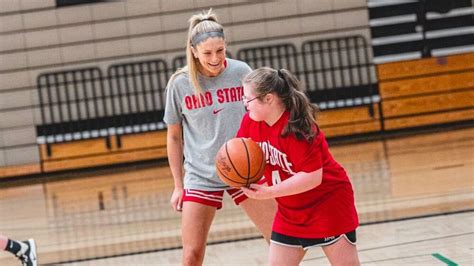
314 194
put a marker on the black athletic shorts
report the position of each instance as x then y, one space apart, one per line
306 243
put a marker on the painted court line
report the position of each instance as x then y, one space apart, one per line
444 259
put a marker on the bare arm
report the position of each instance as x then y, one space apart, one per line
300 182
174 148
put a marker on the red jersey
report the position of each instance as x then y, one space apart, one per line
323 211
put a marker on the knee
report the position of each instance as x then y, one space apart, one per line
193 256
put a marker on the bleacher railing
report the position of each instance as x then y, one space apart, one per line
82 103
339 72
138 95
73 105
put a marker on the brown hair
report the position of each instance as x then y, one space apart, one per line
287 87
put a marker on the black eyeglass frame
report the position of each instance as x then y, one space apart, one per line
247 101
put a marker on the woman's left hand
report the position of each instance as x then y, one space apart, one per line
256 191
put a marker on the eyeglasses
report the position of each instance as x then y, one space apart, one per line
244 98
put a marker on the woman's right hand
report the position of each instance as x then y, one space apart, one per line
177 199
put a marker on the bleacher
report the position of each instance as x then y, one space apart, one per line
91 119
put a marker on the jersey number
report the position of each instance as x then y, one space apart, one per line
276 177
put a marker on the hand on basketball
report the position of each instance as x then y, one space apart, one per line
177 199
256 191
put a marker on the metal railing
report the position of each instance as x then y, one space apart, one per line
138 95
275 56
82 103
338 72
73 105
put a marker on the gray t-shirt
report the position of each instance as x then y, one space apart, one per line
207 122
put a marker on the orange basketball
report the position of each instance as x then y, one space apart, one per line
240 162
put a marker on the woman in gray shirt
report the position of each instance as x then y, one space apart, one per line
203 110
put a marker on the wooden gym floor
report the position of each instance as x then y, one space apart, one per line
414 195
439 240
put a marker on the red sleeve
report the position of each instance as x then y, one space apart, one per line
243 131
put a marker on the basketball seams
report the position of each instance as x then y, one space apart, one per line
248 162
232 163
262 164
232 159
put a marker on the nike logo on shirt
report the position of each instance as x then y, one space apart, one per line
217 111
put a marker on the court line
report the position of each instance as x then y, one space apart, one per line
400 244
389 259
444 259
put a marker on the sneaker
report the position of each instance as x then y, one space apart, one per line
28 256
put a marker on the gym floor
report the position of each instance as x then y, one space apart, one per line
414 195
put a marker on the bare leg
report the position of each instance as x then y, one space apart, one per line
195 224
283 255
3 242
262 213
342 253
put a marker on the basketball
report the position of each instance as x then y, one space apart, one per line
240 162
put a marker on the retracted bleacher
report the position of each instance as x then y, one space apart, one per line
424 53
427 91
89 120
340 77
